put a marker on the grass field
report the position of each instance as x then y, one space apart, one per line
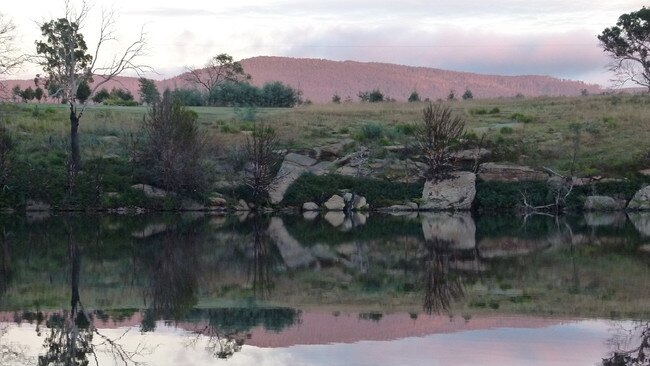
609 134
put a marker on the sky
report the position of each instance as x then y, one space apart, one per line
505 37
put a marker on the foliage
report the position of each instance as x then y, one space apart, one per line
83 92
188 97
336 99
171 150
627 44
276 94
263 161
218 70
149 93
436 133
468 95
379 193
101 95
414 97
372 96
371 131
508 196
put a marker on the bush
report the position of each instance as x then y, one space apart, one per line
508 196
171 151
378 192
373 96
371 131
519 117
414 97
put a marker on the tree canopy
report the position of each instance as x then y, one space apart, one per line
628 44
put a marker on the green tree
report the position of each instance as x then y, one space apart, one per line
218 70
336 99
628 45
83 92
414 97
149 93
468 95
452 95
64 57
16 92
28 94
101 95
39 93
276 94
372 96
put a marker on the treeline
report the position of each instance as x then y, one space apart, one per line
240 94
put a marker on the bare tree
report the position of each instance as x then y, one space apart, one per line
218 70
434 138
260 149
10 57
64 58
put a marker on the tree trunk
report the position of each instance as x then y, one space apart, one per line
74 139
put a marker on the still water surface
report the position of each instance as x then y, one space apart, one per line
428 289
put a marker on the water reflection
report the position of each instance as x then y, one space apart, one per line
631 345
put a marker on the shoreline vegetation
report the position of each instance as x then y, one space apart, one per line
599 142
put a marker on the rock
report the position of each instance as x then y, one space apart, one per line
150 191
645 248
397 208
217 201
454 193
242 206
291 251
347 197
359 203
191 205
293 166
335 203
359 218
324 254
334 150
509 173
395 148
645 172
335 218
349 171
33 205
412 205
347 250
310 206
455 230
603 203
641 221
321 168
310 215
641 200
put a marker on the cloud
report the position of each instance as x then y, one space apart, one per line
169 12
563 55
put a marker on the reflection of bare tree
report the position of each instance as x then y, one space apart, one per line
440 286
73 339
260 268
12 354
626 355
5 262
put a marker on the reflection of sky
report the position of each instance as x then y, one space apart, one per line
580 343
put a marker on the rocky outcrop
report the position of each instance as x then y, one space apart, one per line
603 203
150 191
454 193
493 172
310 206
641 200
335 203
149 230
293 166
292 252
455 230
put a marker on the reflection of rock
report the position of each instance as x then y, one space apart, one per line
310 215
641 200
32 205
149 230
454 193
293 166
324 254
509 247
242 206
458 228
641 221
603 203
407 214
605 218
509 173
292 252
335 218
645 248
335 203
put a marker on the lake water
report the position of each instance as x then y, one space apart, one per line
427 289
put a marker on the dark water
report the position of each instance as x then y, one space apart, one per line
429 289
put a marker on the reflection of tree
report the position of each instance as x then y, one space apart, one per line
260 268
5 262
73 338
624 355
12 354
440 286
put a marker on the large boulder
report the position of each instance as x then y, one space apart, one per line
335 203
292 252
452 230
641 200
454 193
310 206
293 166
603 203
641 221
509 173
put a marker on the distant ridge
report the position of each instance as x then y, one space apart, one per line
320 79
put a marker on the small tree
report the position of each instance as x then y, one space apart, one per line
336 99
414 97
101 95
218 70
468 95
16 92
83 92
435 136
39 93
628 44
260 151
452 95
149 93
171 149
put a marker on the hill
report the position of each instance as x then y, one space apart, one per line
320 79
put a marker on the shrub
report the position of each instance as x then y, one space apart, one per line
438 131
519 117
414 97
371 131
171 150
373 96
